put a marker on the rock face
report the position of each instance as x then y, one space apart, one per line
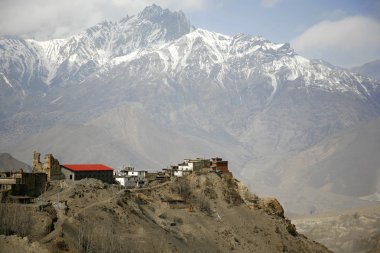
151 89
273 206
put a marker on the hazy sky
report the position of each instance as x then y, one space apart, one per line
343 32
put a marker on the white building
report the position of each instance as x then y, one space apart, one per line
129 177
190 165
178 173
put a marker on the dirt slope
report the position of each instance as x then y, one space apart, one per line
201 213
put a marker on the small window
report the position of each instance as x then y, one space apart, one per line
71 176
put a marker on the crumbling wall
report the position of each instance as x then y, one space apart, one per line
37 165
50 166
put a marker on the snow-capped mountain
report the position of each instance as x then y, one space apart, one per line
226 59
151 90
72 59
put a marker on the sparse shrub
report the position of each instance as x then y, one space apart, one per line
291 228
178 220
182 188
208 183
163 216
119 203
51 211
251 197
61 245
231 195
204 205
210 192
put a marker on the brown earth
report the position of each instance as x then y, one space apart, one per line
15 244
203 212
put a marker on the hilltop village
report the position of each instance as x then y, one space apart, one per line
23 186
194 206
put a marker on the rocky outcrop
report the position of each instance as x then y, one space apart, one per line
272 206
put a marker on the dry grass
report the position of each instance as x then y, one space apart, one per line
14 219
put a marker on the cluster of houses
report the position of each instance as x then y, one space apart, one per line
31 184
129 177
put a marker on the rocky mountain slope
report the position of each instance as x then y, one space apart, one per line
371 69
346 164
7 162
151 89
351 231
206 212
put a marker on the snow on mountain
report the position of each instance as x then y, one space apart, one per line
72 59
244 57
20 65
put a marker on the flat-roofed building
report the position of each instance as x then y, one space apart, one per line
80 171
218 164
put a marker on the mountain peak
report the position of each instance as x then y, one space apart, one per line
153 11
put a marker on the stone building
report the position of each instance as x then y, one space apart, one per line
50 166
129 177
218 164
80 171
190 165
22 185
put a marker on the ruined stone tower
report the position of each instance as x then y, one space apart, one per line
50 166
36 164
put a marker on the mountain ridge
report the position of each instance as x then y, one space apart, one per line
259 103
78 55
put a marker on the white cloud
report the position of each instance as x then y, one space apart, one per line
270 3
47 18
346 42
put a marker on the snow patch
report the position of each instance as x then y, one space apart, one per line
173 50
126 58
274 85
56 100
6 80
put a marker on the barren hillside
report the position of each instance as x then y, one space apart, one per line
203 212
351 231
8 162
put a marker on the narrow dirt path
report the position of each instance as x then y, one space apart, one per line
149 188
57 227
99 202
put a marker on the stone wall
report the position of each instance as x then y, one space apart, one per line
50 166
105 176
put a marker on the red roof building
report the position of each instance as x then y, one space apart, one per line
86 167
80 171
